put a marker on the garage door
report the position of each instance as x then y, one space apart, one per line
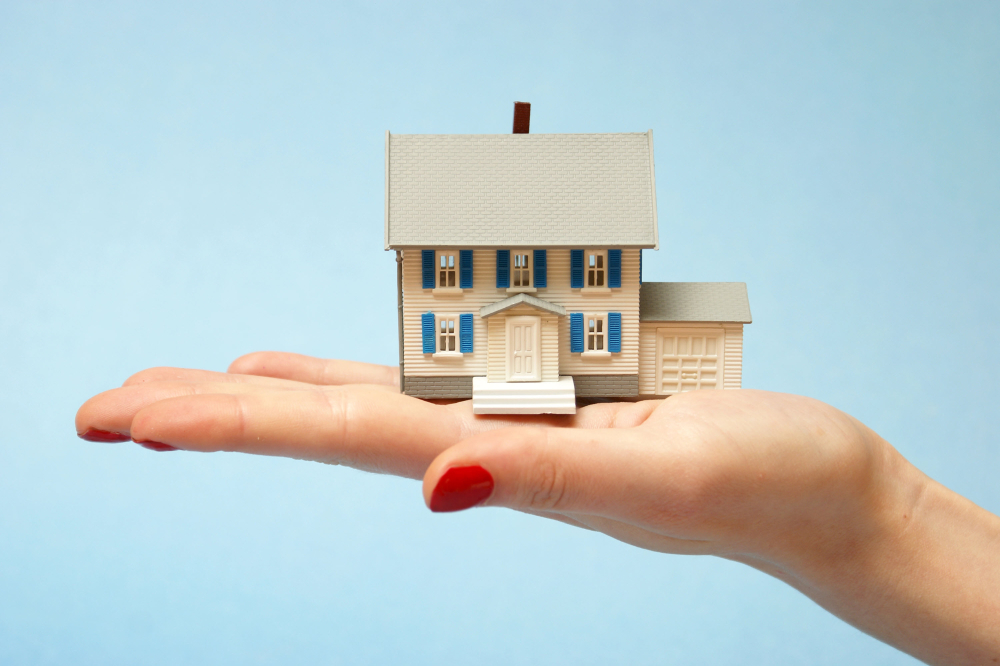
688 359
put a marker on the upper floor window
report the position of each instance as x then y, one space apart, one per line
521 269
446 269
596 268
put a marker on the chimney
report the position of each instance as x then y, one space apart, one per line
522 117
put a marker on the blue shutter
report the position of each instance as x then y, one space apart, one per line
465 269
427 259
615 269
503 269
576 270
614 332
541 266
465 333
576 331
427 323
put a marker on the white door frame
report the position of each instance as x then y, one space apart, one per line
535 348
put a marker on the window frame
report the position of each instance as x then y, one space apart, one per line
443 271
600 321
603 270
454 335
523 289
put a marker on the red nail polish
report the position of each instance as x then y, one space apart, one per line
461 488
94 435
155 446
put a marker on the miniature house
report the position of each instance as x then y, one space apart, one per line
519 266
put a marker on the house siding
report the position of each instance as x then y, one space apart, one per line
481 362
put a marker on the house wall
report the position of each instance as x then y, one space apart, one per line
731 363
417 301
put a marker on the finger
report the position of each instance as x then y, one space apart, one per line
613 473
357 426
314 370
113 411
168 374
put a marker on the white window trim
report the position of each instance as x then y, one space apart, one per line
605 289
530 289
595 353
438 290
438 353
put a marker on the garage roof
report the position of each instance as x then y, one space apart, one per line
694 301
533 190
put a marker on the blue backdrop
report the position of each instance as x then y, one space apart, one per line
180 185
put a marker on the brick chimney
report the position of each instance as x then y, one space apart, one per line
522 117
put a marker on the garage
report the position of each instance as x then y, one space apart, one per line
691 336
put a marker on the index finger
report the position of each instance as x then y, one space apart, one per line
312 370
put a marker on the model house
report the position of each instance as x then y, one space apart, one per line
519 265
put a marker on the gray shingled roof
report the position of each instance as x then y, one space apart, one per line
694 301
536 190
517 299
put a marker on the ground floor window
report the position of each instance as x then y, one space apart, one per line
447 333
597 327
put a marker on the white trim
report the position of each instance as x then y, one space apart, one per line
598 317
447 355
603 254
528 254
594 355
447 316
521 290
447 291
387 189
595 291
455 269
652 189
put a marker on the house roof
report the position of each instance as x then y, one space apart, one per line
694 301
518 299
535 190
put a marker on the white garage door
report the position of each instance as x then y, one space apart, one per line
688 359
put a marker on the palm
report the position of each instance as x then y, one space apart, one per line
705 457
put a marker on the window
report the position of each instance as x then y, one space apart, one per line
596 268
446 269
521 270
597 328
447 333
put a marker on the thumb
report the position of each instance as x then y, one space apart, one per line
541 469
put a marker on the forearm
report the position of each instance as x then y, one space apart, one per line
924 575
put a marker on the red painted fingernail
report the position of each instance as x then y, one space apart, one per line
94 435
155 446
461 488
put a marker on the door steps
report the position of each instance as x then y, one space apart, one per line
557 397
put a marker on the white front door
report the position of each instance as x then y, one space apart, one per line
524 360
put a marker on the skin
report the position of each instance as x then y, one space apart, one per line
783 483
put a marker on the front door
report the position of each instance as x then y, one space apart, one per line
523 353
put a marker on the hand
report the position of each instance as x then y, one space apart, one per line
783 483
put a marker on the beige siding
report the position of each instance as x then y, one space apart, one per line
647 358
733 360
496 370
550 349
417 301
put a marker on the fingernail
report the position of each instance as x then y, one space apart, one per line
461 488
155 446
94 435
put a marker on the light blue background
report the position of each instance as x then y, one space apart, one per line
181 185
